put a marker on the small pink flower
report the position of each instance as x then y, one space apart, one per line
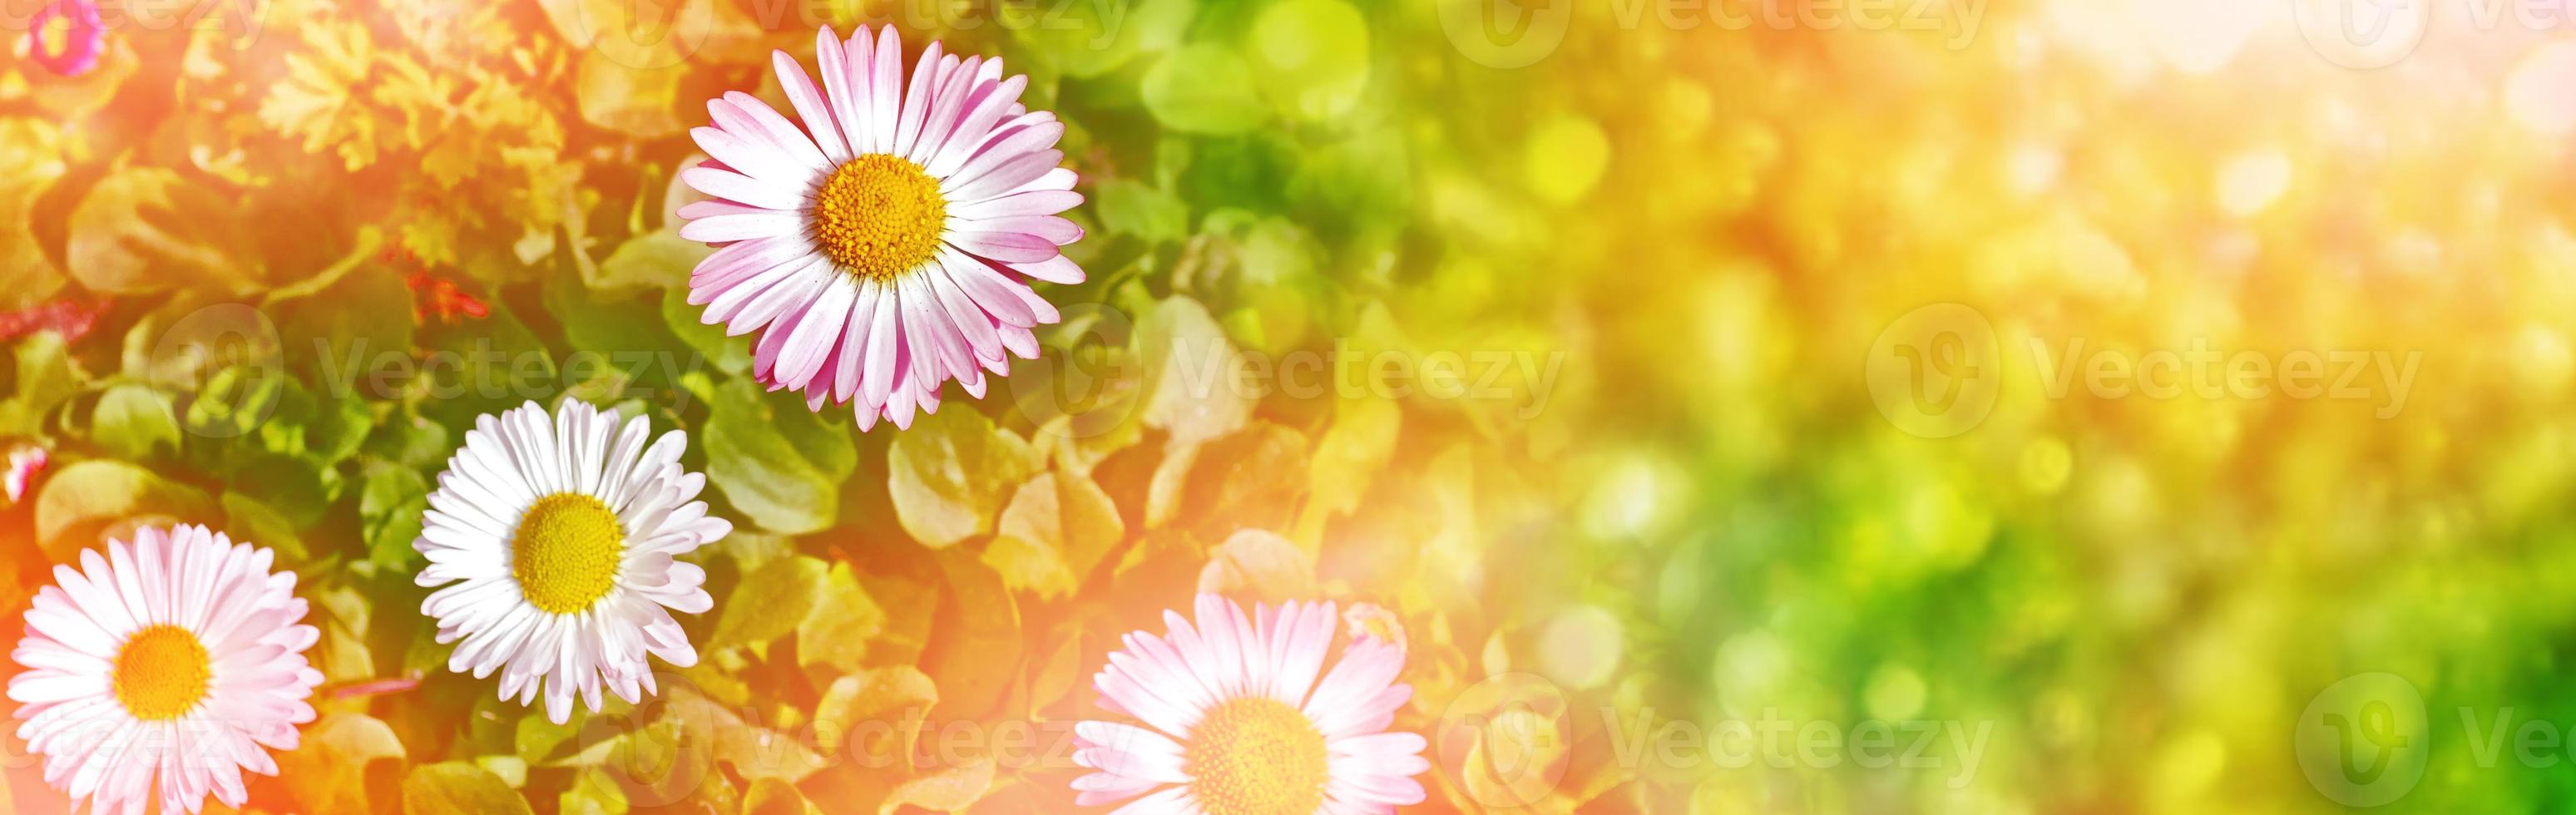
82 35
1240 717
24 465
1373 621
887 245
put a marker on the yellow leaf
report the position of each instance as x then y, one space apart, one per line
946 791
1260 566
1054 532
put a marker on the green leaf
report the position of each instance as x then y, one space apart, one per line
728 354
286 484
844 618
512 770
145 230
339 428
949 473
327 770
235 401
656 259
1312 55
623 322
249 521
408 439
782 484
134 422
85 498
457 786
593 793
1203 88
770 796
45 379
1129 207
537 738
771 602
349 328
390 508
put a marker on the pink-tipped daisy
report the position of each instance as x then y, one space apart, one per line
1235 721
66 37
175 662
886 246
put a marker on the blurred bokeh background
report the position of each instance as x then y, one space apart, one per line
2091 385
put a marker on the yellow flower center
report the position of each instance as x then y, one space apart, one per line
161 673
1256 756
879 216
566 553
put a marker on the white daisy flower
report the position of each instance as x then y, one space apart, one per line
887 245
1235 721
177 661
555 538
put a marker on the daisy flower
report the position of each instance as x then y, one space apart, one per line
555 538
1235 721
66 36
177 661
886 246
